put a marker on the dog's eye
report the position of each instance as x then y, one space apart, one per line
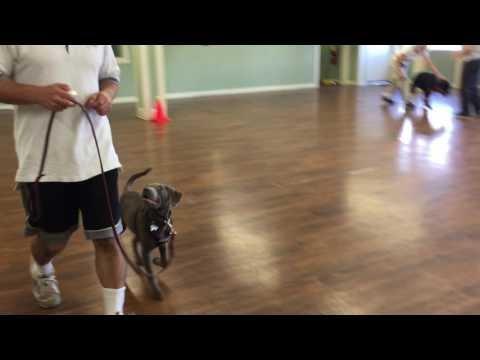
154 228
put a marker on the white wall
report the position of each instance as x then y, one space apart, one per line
374 63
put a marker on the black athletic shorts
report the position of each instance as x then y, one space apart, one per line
62 203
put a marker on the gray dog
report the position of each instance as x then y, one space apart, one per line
149 218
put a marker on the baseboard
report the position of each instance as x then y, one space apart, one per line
144 114
126 100
335 80
349 83
5 107
247 90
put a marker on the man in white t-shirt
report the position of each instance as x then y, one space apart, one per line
39 79
470 54
401 63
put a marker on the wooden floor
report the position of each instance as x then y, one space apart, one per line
295 203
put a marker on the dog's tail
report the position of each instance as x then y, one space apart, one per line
134 178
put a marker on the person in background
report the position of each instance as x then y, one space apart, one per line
470 54
401 64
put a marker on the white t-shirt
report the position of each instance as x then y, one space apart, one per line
72 155
417 59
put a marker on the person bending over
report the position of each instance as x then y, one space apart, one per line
401 63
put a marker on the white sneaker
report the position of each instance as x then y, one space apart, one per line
46 291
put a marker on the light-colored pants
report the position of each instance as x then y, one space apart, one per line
399 85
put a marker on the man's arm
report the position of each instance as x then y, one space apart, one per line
103 100
399 69
466 51
432 67
109 87
109 76
17 94
55 97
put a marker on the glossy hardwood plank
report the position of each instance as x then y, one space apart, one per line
295 203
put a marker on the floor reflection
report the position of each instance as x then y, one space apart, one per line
426 135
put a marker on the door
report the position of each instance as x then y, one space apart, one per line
330 69
378 63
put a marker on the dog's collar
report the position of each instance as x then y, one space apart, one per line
151 202
167 225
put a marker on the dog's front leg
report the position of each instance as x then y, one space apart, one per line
152 279
137 251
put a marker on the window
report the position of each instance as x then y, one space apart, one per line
122 53
445 47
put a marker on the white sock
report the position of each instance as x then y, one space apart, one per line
36 269
113 301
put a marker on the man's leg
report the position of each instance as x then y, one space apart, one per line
464 92
111 271
387 96
410 96
50 233
43 253
405 88
465 102
475 78
476 100
45 285
110 264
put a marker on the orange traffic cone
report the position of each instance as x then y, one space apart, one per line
159 115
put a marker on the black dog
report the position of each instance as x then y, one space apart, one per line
429 83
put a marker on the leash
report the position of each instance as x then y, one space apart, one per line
36 186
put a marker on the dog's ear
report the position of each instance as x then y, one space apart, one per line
175 195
